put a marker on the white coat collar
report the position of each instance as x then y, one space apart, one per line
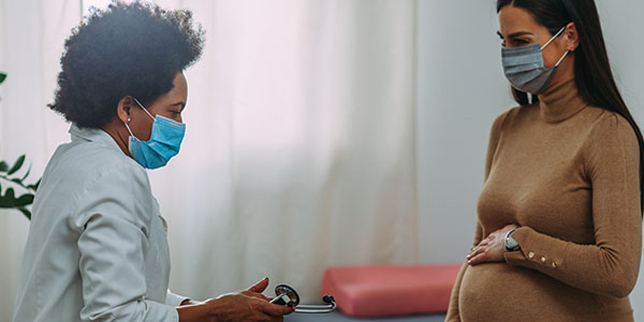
92 135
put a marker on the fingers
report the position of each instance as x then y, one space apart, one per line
478 255
274 319
260 286
274 309
487 240
256 295
479 258
476 251
510 226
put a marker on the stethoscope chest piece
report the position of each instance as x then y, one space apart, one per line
286 295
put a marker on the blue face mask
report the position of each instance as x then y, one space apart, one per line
164 143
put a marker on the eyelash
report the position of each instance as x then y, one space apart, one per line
519 42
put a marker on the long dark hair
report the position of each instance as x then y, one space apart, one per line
593 74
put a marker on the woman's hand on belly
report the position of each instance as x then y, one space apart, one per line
490 249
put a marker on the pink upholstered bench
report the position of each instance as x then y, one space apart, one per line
390 290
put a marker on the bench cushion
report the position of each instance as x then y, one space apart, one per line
366 291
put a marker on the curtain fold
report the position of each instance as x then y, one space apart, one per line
299 152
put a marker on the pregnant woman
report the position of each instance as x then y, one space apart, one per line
559 229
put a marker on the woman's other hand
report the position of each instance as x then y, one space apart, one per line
249 305
490 249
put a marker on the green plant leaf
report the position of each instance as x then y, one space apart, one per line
10 194
16 166
24 200
8 200
3 76
34 186
4 166
26 174
25 212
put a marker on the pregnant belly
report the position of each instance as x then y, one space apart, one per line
499 292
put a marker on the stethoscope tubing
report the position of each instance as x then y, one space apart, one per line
314 309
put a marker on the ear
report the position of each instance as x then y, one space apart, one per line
123 108
571 37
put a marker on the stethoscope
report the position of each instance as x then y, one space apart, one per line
286 295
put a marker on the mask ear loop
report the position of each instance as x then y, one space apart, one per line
551 39
128 128
562 57
128 119
141 105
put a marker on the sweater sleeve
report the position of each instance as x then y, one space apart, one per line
495 135
610 265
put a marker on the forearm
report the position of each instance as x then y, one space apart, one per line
603 268
194 312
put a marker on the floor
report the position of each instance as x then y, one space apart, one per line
339 317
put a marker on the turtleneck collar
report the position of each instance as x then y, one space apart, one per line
560 102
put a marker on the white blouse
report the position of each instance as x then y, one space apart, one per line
97 248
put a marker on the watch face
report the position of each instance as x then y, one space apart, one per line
510 243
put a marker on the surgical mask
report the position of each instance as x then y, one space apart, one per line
523 67
163 144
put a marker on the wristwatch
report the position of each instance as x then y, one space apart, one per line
511 245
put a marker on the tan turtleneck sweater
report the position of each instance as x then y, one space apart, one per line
568 174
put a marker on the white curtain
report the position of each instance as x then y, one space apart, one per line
300 146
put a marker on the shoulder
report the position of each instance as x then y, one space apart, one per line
87 163
511 116
610 136
87 173
114 190
606 126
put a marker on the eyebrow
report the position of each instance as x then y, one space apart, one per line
180 103
516 34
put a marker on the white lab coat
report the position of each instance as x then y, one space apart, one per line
97 248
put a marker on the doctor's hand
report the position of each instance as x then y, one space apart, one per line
490 249
249 305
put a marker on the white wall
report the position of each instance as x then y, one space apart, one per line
461 89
